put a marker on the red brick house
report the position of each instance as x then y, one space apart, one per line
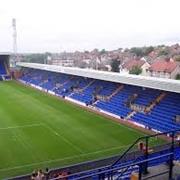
164 69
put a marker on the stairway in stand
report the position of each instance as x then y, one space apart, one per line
95 102
108 98
149 107
130 115
67 81
116 91
83 89
156 101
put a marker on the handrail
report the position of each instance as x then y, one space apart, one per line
130 147
113 169
144 137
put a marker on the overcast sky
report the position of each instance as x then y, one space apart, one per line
58 25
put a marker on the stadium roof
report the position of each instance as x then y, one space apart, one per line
5 54
143 81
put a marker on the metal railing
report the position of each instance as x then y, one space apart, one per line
109 171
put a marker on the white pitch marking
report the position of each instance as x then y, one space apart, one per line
62 137
23 126
57 160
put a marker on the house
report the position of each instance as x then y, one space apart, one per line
167 68
128 65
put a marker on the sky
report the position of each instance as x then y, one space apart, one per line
70 25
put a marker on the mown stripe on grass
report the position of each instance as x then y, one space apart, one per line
62 159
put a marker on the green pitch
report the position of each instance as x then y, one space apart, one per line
38 131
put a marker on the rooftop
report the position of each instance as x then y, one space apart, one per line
163 66
131 63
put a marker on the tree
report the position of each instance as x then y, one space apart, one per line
115 65
135 70
163 52
126 50
161 46
103 51
147 50
138 51
47 54
95 50
35 58
142 51
178 77
120 49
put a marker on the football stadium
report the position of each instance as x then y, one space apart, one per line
76 123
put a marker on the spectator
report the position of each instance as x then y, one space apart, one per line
46 174
37 175
34 174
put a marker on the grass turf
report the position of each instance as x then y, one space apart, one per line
38 130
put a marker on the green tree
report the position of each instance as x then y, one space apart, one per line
163 52
141 51
147 50
135 70
115 65
35 58
103 51
126 50
178 77
138 51
161 46
47 54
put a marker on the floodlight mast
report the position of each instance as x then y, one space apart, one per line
14 42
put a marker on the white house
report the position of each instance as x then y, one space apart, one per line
127 66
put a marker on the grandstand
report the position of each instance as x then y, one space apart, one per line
149 104
147 109
4 66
